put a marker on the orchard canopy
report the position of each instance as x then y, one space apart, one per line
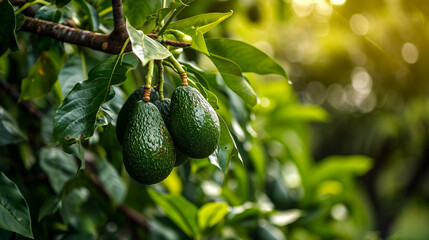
300 119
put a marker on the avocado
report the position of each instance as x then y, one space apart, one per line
164 108
125 111
194 123
148 148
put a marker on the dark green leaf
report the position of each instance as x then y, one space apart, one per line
14 213
78 151
196 26
42 76
179 210
61 3
92 14
145 47
50 207
76 116
211 213
72 73
59 166
246 56
7 27
111 181
137 11
226 149
9 131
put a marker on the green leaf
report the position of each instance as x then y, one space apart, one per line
145 47
61 3
137 11
209 96
234 79
71 73
50 207
226 149
246 56
299 113
92 14
211 213
111 181
75 118
7 27
59 166
42 76
179 210
196 26
337 166
9 131
14 213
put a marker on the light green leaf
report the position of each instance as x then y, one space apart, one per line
246 56
299 113
338 166
137 11
76 117
211 213
196 26
14 213
59 166
182 212
50 207
7 27
92 14
111 181
234 79
9 131
42 76
145 47
226 149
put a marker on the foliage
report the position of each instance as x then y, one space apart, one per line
262 181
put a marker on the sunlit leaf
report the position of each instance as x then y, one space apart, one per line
211 213
14 213
42 76
59 166
179 210
196 26
299 113
9 131
76 117
246 56
7 28
145 47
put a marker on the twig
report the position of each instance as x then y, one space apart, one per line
14 94
119 30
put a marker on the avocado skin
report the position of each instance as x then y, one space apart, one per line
164 108
194 123
124 113
148 149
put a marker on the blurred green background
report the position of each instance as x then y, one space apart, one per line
365 63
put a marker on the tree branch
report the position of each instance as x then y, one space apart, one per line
14 94
119 30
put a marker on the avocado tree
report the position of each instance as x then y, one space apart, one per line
211 164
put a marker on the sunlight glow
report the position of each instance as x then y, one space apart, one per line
410 53
359 24
338 2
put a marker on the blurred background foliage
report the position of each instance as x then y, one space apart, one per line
339 151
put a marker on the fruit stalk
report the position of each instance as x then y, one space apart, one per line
161 80
180 70
148 82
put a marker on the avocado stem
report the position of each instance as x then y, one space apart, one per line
148 82
161 79
179 69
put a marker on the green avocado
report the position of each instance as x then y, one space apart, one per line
164 108
194 123
148 149
124 113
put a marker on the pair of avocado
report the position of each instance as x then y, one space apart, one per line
144 129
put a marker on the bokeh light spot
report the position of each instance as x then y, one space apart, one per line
338 2
410 53
359 24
